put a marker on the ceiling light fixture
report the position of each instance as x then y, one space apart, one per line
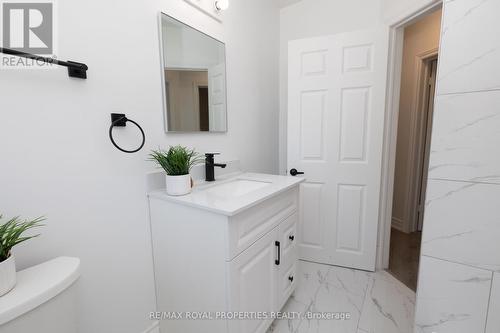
221 4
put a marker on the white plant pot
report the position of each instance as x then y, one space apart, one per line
178 185
7 275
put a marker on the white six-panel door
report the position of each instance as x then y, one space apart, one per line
217 98
335 136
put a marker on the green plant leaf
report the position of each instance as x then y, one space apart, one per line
11 233
177 161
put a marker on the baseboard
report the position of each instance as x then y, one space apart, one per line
397 224
154 328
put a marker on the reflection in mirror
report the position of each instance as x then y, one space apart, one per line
194 72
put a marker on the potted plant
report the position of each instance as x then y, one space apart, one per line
11 234
177 162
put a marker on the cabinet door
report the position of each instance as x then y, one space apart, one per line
253 284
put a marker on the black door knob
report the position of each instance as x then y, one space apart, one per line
290 278
294 172
291 237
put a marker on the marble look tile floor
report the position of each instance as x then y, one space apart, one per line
375 302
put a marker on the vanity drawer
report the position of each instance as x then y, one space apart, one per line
288 239
289 257
247 227
288 280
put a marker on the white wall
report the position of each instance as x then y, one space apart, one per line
460 264
397 10
311 18
56 158
419 38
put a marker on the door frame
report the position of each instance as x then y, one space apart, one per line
394 70
420 126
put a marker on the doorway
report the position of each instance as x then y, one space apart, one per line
204 108
414 129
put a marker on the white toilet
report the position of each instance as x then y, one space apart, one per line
43 300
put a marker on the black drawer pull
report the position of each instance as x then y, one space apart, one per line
290 278
291 237
278 246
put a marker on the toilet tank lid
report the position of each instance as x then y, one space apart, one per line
37 285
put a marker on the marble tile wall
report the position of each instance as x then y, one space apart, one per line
493 323
470 46
459 281
452 297
465 137
462 223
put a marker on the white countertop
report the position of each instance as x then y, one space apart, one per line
214 196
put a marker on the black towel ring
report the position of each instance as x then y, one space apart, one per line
120 120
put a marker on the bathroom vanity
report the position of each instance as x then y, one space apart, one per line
225 255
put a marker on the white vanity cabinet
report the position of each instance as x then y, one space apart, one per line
213 263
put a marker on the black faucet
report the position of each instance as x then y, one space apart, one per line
210 165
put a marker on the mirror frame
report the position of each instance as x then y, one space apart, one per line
163 78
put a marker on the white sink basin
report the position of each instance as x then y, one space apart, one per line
232 194
237 188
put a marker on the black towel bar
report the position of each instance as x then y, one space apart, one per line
75 69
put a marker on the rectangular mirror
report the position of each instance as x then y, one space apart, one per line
194 78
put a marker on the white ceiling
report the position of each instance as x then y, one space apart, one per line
284 3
